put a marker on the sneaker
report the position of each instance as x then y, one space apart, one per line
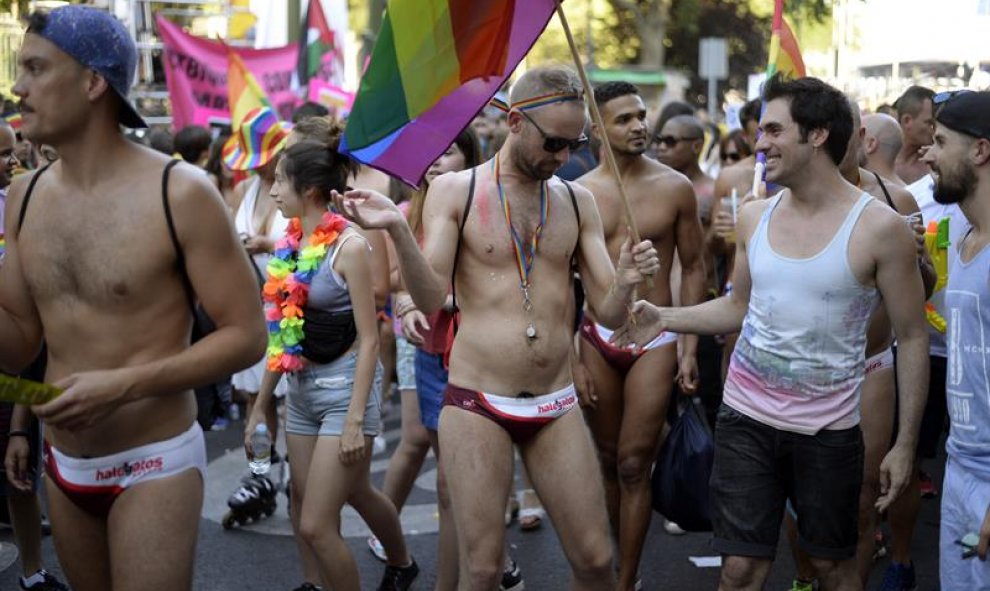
42 581
927 487
512 579
376 548
307 586
672 528
799 585
399 578
899 577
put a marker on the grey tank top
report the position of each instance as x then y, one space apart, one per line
328 291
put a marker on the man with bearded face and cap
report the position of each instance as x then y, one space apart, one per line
960 162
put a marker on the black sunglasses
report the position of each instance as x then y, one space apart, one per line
670 140
732 156
553 144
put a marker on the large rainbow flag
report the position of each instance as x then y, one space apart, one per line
435 65
785 54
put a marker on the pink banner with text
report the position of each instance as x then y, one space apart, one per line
196 75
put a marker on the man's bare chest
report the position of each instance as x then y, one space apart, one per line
654 217
104 256
497 236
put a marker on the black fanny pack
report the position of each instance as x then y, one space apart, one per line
328 335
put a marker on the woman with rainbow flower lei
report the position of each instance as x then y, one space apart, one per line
323 333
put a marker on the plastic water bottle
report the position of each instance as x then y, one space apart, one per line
261 449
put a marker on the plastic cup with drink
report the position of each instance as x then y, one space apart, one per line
730 207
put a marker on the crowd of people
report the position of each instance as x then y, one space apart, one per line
818 279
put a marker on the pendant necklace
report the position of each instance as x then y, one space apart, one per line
525 251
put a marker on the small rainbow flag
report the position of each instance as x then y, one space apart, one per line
243 91
435 65
13 120
785 54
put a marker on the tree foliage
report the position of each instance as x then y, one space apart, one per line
746 33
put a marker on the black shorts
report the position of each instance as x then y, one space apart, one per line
757 468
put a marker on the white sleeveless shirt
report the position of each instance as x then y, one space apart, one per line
799 363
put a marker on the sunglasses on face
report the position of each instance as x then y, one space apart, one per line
670 140
553 144
732 156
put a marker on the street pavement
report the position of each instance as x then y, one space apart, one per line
262 556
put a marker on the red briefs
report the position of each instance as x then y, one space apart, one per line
94 484
521 417
620 358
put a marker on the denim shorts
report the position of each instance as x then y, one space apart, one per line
319 396
757 468
405 363
431 381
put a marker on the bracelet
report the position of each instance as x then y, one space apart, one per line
18 433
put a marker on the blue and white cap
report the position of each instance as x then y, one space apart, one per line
98 41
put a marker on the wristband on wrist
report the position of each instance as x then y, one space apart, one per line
18 433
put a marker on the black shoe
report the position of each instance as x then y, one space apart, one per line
512 579
48 583
307 586
399 578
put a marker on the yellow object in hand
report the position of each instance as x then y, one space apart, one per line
27 392
938 251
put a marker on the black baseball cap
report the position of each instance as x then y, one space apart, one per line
965 111
98 41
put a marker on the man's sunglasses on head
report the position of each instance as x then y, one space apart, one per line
948 95
553 144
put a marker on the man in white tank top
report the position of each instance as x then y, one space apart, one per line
810 265
960 161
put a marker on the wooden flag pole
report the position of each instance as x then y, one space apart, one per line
596 118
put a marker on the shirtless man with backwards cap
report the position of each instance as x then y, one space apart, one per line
92 270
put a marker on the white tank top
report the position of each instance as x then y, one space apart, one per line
243 222
799 363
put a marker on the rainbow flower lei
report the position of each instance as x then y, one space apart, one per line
290 272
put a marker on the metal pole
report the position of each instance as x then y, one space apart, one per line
712 92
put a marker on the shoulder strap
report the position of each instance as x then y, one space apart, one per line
340 244
577 212
886 193
27 196
180 258
460 232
